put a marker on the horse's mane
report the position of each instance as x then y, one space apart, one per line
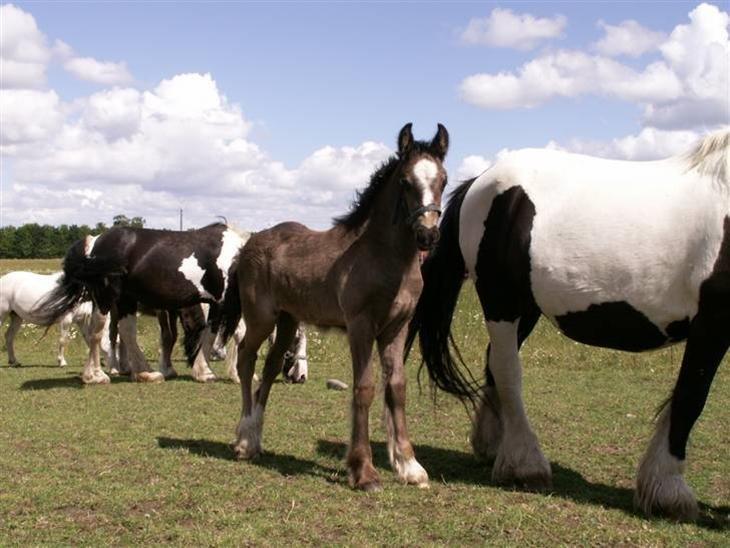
365 198
711 156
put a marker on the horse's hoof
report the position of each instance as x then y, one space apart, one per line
209 377
243 451
171 374
370 487
114 372
98 378
149 377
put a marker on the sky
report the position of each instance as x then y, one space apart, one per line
263 112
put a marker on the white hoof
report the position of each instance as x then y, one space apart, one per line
98 377
669 496
208 376
248 434
524 466
148 376
62 363
411 473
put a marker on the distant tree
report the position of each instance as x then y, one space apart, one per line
123 220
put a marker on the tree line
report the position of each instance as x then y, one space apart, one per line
34 241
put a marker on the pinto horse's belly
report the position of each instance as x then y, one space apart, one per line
619 326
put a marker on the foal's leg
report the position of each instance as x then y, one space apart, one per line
400 451
519 459
92 373
64 335
360 467
168 336
141 371
660 485
486 432
13 328
248 431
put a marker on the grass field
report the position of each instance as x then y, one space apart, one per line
129 463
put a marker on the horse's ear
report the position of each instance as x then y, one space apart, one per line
440 143
405 139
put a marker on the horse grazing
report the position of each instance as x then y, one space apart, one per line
126 268
21 292
362 275
625 255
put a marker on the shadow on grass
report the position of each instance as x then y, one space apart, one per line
459 467
286 465
72 381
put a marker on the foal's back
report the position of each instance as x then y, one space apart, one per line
298 270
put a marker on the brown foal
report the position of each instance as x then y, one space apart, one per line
362 275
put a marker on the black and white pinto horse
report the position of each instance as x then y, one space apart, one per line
125 268
625 255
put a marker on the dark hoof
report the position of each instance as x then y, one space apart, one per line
370 487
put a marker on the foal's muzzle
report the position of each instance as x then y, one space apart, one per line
426 237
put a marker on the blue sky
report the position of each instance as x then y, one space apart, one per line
315 93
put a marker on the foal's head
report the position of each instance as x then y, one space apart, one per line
422 179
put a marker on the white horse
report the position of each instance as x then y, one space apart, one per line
625 255
20 292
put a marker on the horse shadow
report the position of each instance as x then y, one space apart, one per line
451 466
286 465
73 380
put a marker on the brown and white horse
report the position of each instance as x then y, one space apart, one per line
362 275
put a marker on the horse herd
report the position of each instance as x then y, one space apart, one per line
625 255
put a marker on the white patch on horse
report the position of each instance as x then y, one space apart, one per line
231 243
425 172
190 268
89 244
653 256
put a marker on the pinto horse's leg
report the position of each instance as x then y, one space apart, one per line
168 336
13 328
400 451
660 485
201 366
362 473
141 371
64 335
486 432
92 373
519 458
248 431
286 328
232 355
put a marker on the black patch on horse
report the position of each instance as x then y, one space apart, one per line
615 325
678 331
708 342
503 260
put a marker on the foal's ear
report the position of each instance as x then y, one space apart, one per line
405 139
440 143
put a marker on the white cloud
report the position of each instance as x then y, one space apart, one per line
628 38
28 116
24 53
506 29
472 166
99 72
648 144
687 88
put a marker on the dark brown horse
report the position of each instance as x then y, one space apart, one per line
362 275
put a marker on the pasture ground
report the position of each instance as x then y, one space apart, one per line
131 464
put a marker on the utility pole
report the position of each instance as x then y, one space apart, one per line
180 219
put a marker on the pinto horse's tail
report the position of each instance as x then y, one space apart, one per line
443 275
84 278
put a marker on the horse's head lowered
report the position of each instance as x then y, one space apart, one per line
422 178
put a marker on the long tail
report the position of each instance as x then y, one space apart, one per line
84 278
443 275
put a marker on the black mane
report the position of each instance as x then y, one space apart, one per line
364 199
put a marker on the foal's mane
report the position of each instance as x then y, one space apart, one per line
364 199
711 156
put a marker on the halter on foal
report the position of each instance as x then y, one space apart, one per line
363 275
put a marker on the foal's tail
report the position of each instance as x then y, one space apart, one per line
443 275
84 278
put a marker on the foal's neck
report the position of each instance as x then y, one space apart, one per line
388 230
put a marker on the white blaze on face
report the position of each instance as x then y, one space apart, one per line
425 172
194 274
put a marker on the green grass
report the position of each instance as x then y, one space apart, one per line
129 463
